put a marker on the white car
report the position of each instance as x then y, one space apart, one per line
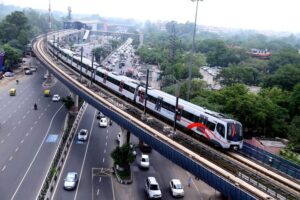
152 188
83 134
70 181
9 74
145 162
176 188
56 98
103 122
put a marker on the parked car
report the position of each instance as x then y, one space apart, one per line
176 188
103 122
145 162
9 74
28 72
152 188
83 135
70 182
56 98
33 69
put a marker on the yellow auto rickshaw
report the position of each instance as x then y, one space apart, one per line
12 92
47 93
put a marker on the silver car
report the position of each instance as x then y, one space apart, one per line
83 134
71 180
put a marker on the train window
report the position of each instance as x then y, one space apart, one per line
221 129
211 125
203 119
158 103
151 99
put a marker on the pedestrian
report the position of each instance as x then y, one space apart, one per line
190 181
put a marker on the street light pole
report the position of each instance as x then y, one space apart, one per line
193 50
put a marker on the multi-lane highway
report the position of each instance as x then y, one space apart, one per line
28 137
91 160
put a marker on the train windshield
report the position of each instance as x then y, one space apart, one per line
234 132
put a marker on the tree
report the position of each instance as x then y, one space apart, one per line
123 155
285 77
284 57
69 103
100 52
12 55
294 101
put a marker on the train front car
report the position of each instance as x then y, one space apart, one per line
234 135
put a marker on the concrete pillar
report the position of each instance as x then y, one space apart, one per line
123 137
76 102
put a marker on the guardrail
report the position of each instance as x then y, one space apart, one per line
274 161
60 155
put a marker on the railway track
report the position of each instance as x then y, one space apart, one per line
263 183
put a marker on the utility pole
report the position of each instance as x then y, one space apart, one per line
176 106
146 93
81 63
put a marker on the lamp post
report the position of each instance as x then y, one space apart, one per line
193 50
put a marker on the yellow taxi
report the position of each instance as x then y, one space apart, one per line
12 92
47 93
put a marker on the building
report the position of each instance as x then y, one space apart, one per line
75 25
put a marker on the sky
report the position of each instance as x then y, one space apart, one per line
269 15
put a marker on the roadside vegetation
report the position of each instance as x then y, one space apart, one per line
272 112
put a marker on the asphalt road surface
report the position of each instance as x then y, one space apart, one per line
28 137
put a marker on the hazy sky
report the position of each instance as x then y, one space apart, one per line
275 15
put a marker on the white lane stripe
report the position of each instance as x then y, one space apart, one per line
10 158
87 146
104 151
2 141
31 163
22 141
99 179
103 160
105 143
3 168
54 192
98 192
8 134
17 149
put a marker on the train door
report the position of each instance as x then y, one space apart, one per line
158 104
141 96
104 78
121 86
179 112
203 120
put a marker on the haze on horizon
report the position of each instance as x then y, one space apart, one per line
266 15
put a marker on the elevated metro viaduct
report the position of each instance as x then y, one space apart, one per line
225 186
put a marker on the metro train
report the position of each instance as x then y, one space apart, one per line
221 131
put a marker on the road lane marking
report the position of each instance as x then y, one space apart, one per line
14 128
99 179
17 149
35 122
22 141
106 137
19 122
10 158
34 158
105 143
8 134
9 116
3 168
104 151
27 134
107 131
87 146
98 192
24 116
2 141
4 122
103 160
